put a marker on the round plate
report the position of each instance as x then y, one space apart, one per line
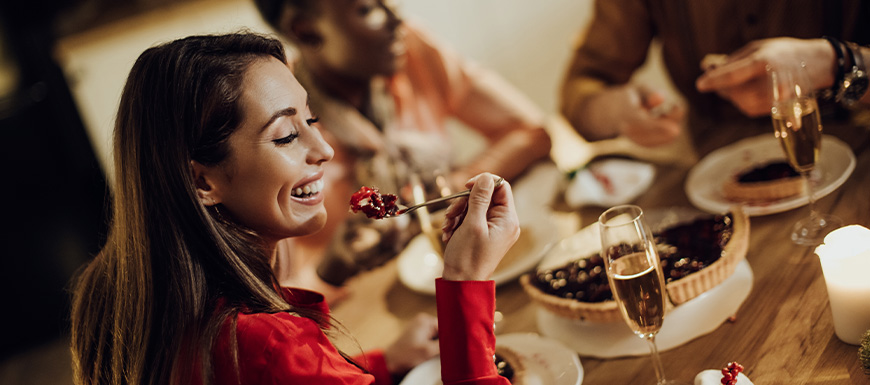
419 264
704 182
547 362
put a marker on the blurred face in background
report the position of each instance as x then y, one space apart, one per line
359 39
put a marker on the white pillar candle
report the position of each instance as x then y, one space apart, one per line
845 259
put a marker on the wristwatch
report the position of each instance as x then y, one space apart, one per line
834 91
855 80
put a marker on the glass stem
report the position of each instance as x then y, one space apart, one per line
656 361
809 186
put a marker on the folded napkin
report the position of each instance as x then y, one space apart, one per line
609 182
714 377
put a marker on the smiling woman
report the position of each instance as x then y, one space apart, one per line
217 166
275 154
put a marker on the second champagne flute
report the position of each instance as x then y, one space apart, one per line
798 127
635 275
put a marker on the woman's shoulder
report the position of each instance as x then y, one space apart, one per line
265 327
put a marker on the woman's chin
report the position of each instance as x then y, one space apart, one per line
310 226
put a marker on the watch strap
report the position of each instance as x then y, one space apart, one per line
841 65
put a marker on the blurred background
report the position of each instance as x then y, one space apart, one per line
62 67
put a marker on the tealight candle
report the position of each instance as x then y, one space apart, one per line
845 259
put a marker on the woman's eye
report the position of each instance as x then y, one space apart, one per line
363 10
286 140
314 119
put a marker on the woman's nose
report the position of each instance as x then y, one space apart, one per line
320 151
393 18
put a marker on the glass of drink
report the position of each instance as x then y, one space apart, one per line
798 127
635 275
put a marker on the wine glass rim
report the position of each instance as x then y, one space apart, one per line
635 211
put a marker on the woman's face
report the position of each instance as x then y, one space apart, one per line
272 180
359 38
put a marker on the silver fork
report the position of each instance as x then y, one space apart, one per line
407 210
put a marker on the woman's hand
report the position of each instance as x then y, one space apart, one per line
743 78
478 230
418 343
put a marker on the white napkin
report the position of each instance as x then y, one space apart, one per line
714 377
609 182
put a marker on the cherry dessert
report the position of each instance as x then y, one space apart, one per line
770 171
372 203
683 249
730 372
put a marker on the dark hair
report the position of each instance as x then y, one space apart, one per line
151 304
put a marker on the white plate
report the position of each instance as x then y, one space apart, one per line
419 264
683 323
609 182
547 362
704 182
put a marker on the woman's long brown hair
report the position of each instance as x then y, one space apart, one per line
145 310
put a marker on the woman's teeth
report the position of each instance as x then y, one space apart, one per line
309 189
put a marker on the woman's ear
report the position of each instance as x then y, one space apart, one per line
204 179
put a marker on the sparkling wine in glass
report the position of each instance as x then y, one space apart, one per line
635 275
798 127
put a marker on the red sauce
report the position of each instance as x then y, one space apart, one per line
372 203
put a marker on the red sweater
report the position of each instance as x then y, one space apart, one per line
281 348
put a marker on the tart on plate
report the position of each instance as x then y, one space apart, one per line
697 253
509 365
766 182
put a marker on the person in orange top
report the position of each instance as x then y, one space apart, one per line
384 90
218 163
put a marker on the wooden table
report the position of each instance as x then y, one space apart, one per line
783 332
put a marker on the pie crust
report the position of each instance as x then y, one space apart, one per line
513 359
679 291
770 190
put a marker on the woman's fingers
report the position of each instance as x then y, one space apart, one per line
453 218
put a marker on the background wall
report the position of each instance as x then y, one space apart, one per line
529 43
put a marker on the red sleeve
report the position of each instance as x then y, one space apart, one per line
465 332
375 363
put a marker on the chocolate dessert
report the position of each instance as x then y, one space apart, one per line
766 182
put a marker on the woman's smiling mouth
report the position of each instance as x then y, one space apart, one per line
308 190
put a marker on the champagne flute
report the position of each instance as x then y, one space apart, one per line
798 127
635 275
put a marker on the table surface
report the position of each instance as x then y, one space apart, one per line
783 332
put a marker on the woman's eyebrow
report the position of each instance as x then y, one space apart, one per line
289 111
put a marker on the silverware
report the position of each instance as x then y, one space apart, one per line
406 210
